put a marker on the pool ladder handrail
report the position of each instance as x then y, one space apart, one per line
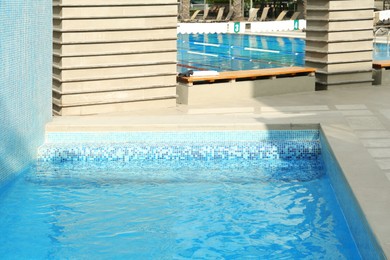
387 38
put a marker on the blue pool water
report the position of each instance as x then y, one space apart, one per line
381 51
264 199
176 209
226 52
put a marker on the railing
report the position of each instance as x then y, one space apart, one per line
380 29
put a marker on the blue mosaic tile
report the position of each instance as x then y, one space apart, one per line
364 237
25 81
189 146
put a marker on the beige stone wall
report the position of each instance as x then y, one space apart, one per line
339 41
116 55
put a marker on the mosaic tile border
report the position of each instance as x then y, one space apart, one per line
302 144
128 151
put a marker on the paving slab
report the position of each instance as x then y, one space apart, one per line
380 153
357 113
350 107
368 123
377 143
373 134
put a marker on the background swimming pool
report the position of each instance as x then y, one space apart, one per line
267 199
381 51
226 52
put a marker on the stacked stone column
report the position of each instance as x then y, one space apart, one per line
113 56
339 42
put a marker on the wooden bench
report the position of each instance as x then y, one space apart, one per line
381 64
248 75
381 73
233 85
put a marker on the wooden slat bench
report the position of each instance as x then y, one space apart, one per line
381 64
381 72
248 75
233 85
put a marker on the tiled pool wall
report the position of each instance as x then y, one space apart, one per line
25 81
303 144
364 237
282 144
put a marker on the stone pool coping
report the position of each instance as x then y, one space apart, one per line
372 191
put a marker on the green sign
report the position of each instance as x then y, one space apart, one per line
236 27
296 24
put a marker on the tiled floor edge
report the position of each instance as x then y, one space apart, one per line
102 126
166 134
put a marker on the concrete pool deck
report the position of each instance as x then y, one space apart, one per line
355 120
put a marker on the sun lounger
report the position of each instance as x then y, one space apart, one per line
193 17
219 15
253 14
205 15
281 15
229 15
295 16
264 14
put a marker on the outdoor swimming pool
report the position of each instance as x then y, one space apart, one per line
177 195
381 51
226 52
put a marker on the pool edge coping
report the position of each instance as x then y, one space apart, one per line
366 180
